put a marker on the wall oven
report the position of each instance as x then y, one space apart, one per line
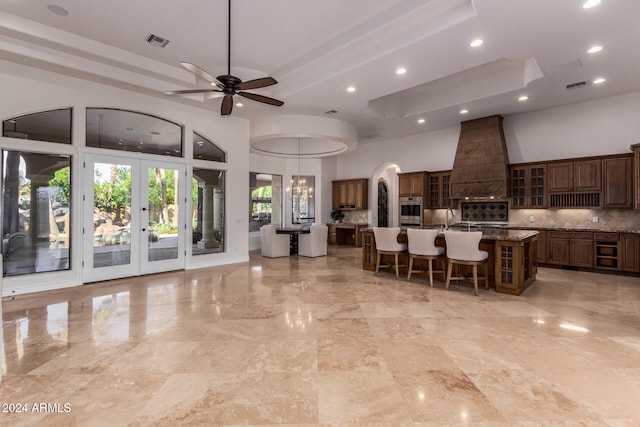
410 211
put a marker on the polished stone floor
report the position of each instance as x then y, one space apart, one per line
299 341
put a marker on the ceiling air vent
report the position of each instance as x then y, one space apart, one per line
157 40
576 85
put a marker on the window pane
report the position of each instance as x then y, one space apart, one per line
49 126
131 131
208 217
36 201
303 209
204 149
266 204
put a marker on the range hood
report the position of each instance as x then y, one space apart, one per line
480 168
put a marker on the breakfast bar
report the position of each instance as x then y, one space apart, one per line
512 256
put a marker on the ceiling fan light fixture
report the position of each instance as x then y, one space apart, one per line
228 85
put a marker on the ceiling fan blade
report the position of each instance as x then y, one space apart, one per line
199 72
262 98
190 91
227 105
257 83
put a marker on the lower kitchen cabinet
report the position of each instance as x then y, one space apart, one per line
573 249
630 252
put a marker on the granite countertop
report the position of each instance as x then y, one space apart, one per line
496 233
349 224
479 226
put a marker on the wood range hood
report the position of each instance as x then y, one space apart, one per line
480 168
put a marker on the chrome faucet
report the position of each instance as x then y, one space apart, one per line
446 218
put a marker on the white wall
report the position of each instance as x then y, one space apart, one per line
604 126
26 90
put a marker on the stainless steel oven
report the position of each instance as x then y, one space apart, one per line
411 211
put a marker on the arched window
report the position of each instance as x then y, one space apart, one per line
204 149
131 131
48 126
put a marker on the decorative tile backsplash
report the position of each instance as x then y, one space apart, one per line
485 211
607 219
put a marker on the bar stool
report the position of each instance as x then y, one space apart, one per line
463 247
387 244
422 246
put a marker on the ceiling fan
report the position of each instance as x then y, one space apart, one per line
228 85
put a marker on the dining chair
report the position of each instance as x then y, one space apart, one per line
421 244
463 248
273 245
387 244
314 244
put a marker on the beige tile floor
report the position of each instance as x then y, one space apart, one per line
298 341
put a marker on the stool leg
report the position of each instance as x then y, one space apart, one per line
475 278
486 275
378 262
446 286
397 269
430 272
410 267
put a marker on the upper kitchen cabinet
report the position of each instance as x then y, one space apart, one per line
528 186
577 176
350 194
440 190
412 184
617 182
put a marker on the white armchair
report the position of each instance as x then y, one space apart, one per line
315 243
273 245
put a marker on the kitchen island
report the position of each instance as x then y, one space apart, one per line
512 257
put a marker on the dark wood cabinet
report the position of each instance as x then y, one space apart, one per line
542 247
528 186
577 176
574 249
412 184
630 252
350 194
439 196
617 180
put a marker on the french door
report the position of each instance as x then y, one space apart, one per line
134 217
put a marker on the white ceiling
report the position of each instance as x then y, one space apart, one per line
316 49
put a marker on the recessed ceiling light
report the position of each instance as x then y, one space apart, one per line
58 10
594 49
590 3
476 43
400 71
351 89
464 111
599 80
239 104
421 121
523 98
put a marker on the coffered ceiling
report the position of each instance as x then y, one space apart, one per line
317 49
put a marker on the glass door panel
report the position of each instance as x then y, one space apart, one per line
111 215
163 215
112 224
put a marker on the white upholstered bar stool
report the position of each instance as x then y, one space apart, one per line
387 244
463 247
422 246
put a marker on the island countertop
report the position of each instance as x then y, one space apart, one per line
489 234
512 255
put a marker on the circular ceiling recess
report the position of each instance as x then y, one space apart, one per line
303 147
300 135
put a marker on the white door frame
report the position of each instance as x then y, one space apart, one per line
139 211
